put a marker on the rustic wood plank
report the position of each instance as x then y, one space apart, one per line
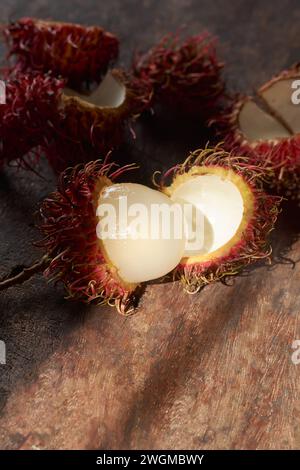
207 371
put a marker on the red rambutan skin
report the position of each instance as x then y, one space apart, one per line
85 132
279 160
77 53
253 245
68 224
27 117
185 76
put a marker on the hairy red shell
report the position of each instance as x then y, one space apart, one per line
77 53
185 76
86 132
254 243
27 116
279 160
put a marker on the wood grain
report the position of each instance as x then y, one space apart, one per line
209 371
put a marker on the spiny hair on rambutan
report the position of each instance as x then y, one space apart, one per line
235 215
79 54
26 117
97 268
43 116
185 75
266 128
96 123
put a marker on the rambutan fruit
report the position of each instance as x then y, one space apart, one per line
94 124
41 115
31 103
77 53
185 76
90 265
236 215
266 129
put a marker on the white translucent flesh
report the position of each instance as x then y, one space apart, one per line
279 98
109 94
221 205
255 124
134 252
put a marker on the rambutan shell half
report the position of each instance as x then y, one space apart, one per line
249 242
266 129
88 129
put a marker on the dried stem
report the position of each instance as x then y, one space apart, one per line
26 273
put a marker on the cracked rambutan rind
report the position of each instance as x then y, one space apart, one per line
78 53
86 130
279 156
68 224
249 244
185 76
31 104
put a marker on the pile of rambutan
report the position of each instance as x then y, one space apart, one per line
93 107
63 99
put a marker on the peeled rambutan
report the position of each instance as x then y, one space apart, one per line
77 53
185 76
93 267
236 215
95 124
266 129
103 239
31 103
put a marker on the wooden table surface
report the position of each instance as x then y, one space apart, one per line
209 371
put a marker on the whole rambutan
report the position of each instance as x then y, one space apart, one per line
233 215
31 102
185 76
77 53
266 129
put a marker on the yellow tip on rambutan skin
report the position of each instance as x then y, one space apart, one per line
79 54
185 75
68 224
266 129
260 211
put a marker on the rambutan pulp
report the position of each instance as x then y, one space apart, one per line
137 246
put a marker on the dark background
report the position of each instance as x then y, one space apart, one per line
212 370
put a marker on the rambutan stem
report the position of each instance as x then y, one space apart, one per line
25 274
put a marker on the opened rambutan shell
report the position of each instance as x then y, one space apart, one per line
185 76
77 53
228 191
267 130
32 101
93 125
69 223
